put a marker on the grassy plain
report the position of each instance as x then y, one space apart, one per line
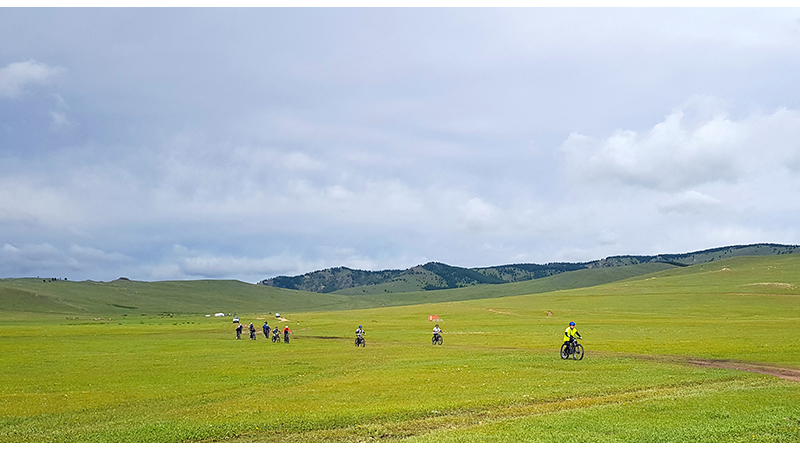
497 378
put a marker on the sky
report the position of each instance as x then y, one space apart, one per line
172 144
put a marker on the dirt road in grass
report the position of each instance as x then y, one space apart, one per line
785 373
780 372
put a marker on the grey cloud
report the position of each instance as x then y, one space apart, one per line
233 267
31 199
691 202
89 255
185 262
34 259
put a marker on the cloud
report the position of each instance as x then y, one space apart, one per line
228 266
59 117
45 259
187 263
477 215
692 202
15 77
684 151
30 198
89 255
668 157
299 162
59 120
32 252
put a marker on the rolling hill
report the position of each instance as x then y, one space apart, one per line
89 299
138 298
436 276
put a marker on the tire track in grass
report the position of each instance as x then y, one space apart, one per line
415 428
786 373
777 371
462 419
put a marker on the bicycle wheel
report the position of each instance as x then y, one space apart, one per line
441 339
564 350
578 352
357 342
433 340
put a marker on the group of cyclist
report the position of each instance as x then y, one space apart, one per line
571 334
570 347
276 332
360 333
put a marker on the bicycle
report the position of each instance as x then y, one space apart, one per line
572 348
437 339
360 341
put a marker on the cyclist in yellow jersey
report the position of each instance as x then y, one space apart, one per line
571 332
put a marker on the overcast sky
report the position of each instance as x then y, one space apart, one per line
248 143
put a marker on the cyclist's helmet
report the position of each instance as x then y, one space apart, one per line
572 324
359 326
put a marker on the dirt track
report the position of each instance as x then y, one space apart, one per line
785 373
780 372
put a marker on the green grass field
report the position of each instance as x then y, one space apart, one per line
182 377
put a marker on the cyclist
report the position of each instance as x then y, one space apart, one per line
265 329
239 331
252 331
286 333
360 333
436 332
571 332
276 334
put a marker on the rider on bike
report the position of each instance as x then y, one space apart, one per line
571 332
360 333
436 330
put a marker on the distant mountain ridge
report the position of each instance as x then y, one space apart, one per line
436 275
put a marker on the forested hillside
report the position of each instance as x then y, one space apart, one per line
436 275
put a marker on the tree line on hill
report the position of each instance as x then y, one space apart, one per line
436 275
